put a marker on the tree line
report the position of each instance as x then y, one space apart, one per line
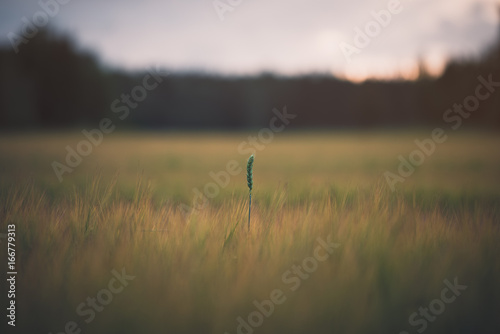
49 84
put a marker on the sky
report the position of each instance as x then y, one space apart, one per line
288 37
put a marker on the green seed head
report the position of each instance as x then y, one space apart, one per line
250 172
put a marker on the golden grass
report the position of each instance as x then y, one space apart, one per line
198 273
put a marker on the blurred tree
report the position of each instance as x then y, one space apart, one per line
48 83
51 84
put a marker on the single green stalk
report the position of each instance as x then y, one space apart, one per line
250 186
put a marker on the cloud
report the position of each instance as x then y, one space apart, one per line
284 36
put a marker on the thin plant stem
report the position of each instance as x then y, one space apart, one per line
249 209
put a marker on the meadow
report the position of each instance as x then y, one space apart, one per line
330 249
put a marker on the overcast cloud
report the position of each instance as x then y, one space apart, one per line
289 37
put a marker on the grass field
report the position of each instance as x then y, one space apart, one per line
396 252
